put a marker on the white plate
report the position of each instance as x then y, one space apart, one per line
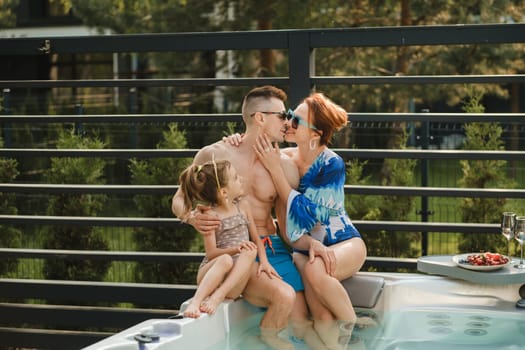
461 259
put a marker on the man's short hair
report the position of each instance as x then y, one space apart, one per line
266 91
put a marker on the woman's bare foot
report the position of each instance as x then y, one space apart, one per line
209 305
366 322
192 311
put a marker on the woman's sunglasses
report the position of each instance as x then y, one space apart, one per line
296 120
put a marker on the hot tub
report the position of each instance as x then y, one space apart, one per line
413 311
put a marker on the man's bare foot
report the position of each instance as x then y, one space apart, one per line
192 311
271 338
209 305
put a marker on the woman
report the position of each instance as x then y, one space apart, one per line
327 246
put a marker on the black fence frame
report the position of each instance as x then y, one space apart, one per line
32 327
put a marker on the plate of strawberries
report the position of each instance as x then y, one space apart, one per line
481 261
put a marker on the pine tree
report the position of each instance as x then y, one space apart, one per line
482 174
183 238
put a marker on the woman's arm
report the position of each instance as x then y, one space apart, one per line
270 157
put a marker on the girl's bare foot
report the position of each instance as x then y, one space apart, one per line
209 305
192 311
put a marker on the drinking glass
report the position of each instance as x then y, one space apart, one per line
507 228
519 235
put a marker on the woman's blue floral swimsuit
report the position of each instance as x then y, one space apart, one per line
317 207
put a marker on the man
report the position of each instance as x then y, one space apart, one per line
263 112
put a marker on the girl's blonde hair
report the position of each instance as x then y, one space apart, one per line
203 182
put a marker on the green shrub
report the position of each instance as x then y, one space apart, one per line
80 170
10 236
397 172
183 238
482 174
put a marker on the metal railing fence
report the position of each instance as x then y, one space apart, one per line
47 324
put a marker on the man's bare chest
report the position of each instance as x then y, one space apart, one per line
258 183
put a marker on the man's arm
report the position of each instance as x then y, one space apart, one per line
198 217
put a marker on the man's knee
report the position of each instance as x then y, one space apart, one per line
269 292
284 295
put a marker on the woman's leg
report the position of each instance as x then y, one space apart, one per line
209 278
350 256
233 284
323 333
327 290
327 299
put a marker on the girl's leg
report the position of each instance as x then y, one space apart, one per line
233 284
209 278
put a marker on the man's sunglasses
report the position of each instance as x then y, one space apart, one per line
296 120
280 115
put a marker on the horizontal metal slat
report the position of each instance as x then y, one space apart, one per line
48 339
420 79
89 221
393 226
24 253
349 189
92 291
71 317
435 191
343 152
131 83
354 117
360 224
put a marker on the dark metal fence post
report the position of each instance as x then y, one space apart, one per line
301 67
425 144
133 108
6 109
79 127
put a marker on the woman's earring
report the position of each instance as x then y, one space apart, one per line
313 145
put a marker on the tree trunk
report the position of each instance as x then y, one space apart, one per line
267 59
401 103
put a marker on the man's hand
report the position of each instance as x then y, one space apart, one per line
203 221
325 253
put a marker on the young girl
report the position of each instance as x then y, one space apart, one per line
225 270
